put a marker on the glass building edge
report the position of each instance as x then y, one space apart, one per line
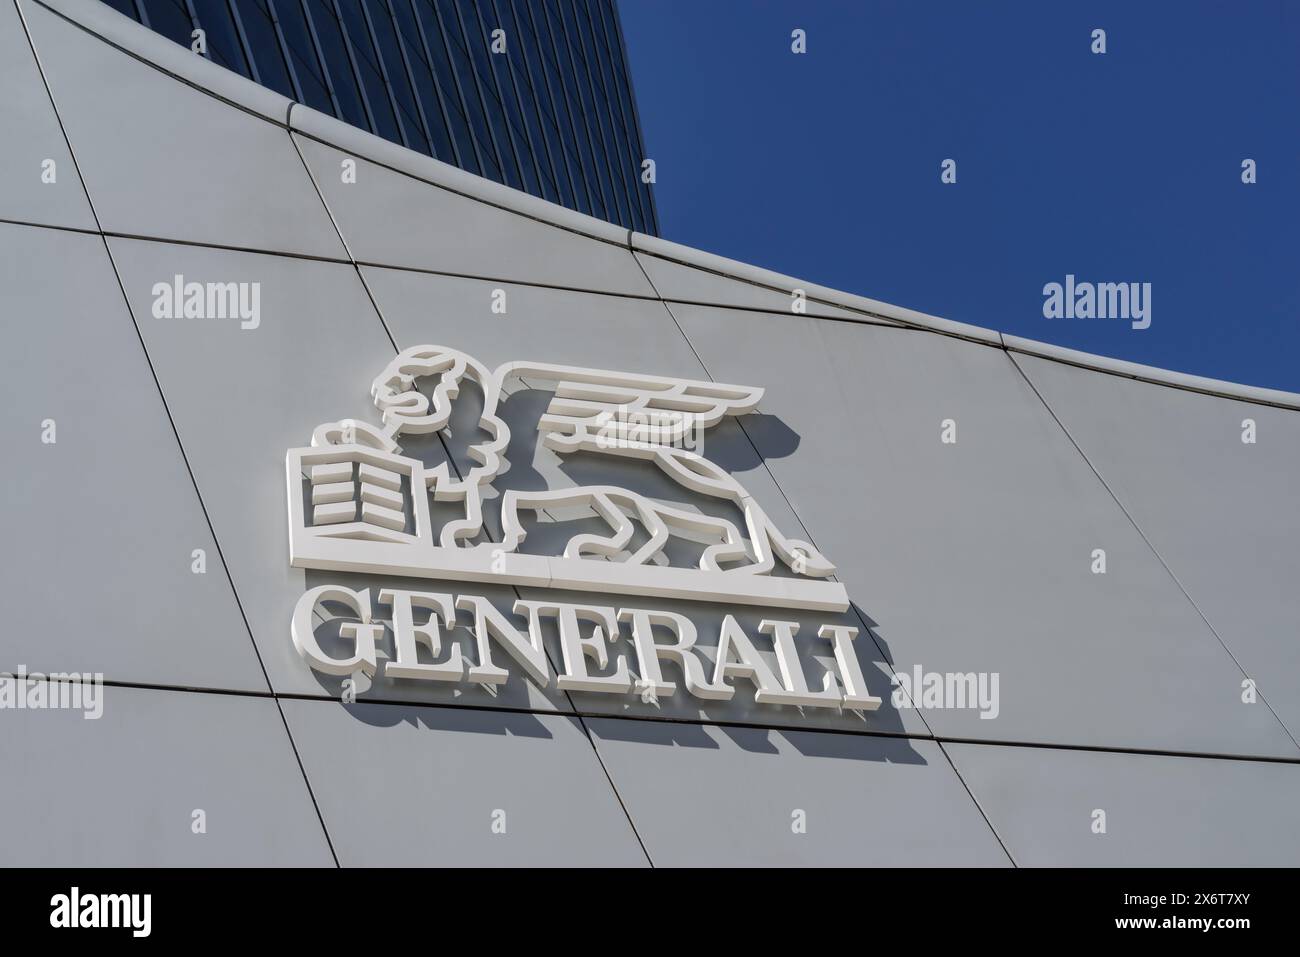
479 110
626 73
620 71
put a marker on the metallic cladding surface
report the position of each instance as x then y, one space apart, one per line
244 272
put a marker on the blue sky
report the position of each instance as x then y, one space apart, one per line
1122 167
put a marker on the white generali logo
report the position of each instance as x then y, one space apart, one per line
357 504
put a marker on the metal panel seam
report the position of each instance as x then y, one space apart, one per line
1147 541
979 807
108 252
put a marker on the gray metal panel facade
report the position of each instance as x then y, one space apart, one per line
162 778
32 138
460 787
169 161
1220 512
710 795
386 221
125 600
1160 811
1120 692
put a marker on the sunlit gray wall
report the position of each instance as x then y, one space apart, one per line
1123 692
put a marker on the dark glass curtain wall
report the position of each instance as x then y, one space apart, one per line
553 115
